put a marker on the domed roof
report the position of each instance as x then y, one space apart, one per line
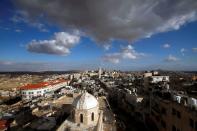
85 101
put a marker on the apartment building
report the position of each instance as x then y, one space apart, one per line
174 114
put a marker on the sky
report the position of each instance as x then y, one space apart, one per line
131 35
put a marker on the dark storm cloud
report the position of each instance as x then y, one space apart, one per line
106 20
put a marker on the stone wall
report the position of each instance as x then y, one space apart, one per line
87 116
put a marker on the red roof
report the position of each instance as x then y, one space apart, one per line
42 84
3 124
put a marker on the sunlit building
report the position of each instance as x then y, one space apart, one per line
30 91
85 114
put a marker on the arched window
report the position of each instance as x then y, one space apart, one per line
92 116
81 118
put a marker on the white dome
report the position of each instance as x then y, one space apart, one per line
85 101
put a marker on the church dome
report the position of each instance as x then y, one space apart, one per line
85 101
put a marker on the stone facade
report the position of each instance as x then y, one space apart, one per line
86 117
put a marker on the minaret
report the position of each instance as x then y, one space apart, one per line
99 73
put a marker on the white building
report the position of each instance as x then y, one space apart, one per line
30 91
77 75
147 74
156 79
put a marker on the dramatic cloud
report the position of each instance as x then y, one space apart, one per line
194 49
106 20
59 45
126 53
183 50
171 58
166 46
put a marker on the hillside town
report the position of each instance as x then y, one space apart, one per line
98 65
102 100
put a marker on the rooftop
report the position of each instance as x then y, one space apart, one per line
3 124
85 101
42 84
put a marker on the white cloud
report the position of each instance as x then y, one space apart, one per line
65 65
126 53
4 28
166 46
107 46
183 50
59 45
177 21
112 58
194 49
6 63
125 19
171 58
20 16
18 30
41 27
30 66
23 17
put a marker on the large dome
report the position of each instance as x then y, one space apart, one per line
85 101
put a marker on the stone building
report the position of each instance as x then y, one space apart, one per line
31 91
85 115
85 109
177 114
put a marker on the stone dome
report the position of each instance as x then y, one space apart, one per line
85 101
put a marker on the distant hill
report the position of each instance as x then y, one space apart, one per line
41 73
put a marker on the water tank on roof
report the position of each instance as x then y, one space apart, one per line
167 86
177 98
192 102
134 90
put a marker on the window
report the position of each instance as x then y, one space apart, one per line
92 116
163 110
178 114
191 123
173 111
73 114
31 93
163 124
81 118
173 128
